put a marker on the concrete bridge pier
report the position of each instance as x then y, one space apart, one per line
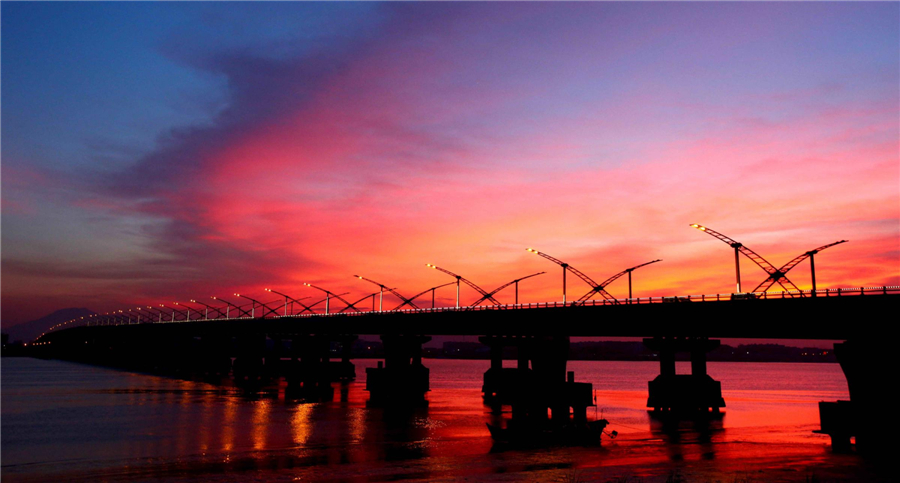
308 372
276 348
344 370
554 394
146 355
501 385
209 357
174 356
866 364
543 393
696 392
401 377
248 366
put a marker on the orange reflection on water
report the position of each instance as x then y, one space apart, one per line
260 429
208 405
182 394
228 420
301 423
357 419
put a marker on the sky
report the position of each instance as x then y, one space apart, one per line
159 152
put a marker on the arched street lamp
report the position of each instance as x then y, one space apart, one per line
228 308
328 296
382 288
253 309
498 289
458 278
174 311
432 289
466 281
188 309
207 306
160 312
292 299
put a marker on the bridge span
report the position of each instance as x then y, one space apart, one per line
839 315
300 348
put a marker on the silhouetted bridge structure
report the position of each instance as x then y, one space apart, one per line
300 348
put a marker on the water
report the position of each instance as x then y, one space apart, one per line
71 422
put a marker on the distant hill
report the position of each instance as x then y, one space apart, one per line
28 331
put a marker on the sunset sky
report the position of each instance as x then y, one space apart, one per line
158 152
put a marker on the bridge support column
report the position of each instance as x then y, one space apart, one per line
542 395
274 349
696 392
210 358
500 385
176 358
248 364
401 377
865 366
309 377
344 370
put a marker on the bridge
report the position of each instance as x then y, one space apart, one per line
301 346
765 315
249 346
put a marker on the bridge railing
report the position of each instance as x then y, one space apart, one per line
838 292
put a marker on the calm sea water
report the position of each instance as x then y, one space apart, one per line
71 422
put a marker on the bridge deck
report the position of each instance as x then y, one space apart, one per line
831 317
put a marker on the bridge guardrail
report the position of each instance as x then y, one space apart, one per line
837 292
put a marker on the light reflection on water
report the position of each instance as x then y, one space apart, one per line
75 422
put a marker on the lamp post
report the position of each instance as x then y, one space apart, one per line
629 270
458 278
292 299
328 296
207 306
229 305
432 289
116 318
188 309
775 275
380 293
564 265
160 312
812 262
253 308
371 295
498 289
174 311
382 288
737 265
113 318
